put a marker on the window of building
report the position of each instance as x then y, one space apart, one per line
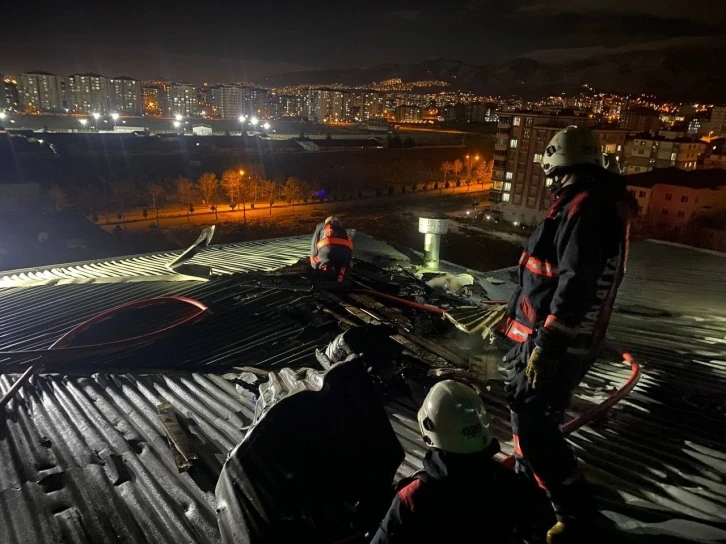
684 199
640 210
620 147
548 182
663 211
518 188
508 186
531 201
517 121
632 192
641 194
528 122
509 175
526 133
681 214
516 199
537 157
505 197
669 196
513 143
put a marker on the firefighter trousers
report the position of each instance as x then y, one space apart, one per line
541 451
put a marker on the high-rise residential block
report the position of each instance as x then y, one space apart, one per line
183 99
647 151
520 190
640 119
125 95
87 93
40 92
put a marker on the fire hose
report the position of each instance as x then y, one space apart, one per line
62 351
573 424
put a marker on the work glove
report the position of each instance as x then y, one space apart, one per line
541 368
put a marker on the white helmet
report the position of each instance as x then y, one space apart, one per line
571 147
453 419
610 163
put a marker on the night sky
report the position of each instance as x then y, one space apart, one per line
243 40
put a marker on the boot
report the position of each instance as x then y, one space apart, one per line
573 532
558 534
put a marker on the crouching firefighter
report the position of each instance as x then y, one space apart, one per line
569 275
462 492
331 251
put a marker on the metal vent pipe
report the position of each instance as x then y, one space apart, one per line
432 229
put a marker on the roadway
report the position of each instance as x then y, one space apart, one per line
176 217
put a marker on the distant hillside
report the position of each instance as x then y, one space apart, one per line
685 73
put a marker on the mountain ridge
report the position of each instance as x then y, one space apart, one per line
677 73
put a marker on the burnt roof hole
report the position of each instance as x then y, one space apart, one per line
137 446
45 442
52 482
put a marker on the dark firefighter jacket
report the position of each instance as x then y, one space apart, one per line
456 498
331 246
572 266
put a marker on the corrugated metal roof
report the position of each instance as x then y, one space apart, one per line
223 259
84 458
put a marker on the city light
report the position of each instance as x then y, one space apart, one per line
178 117
266 126
114 116
242 118
177 124
83 122
3 115
96 115
204 113
241 172
254 121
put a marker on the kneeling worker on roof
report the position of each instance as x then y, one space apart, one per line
332 250
462 491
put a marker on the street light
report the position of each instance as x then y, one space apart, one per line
96 115
266 126
254 121
3 115
83 122
178 117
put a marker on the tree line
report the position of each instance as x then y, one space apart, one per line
236 188
246 187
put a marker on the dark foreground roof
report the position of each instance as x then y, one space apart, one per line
694 179
83 457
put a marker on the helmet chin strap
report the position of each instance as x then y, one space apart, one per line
559 181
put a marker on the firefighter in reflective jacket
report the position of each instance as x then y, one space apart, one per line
462 493
332 249
569 275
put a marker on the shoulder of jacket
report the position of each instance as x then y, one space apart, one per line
411 493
